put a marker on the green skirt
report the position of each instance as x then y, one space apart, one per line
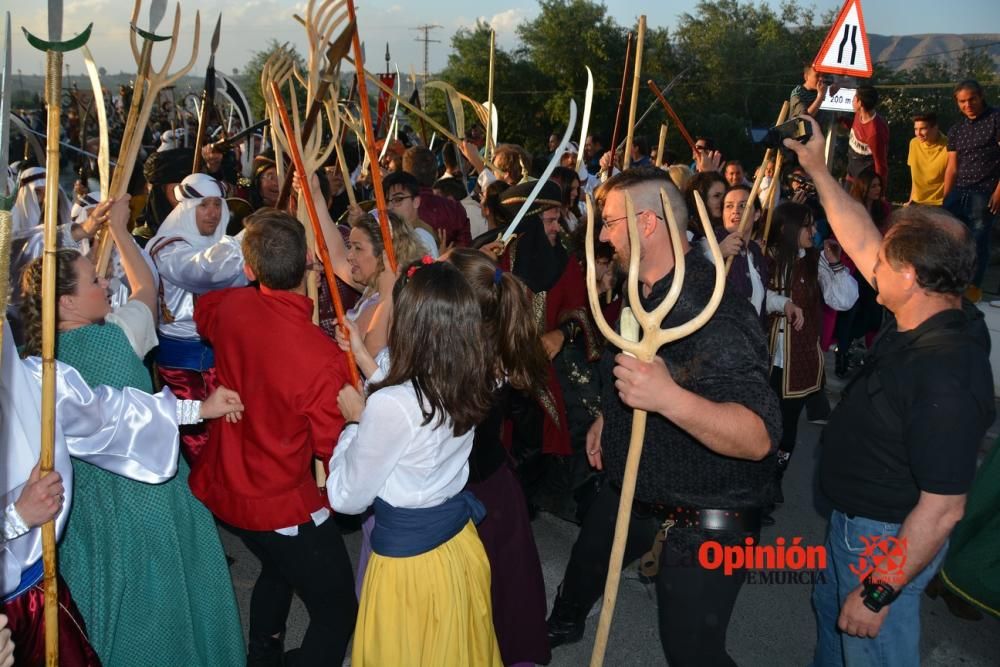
146 568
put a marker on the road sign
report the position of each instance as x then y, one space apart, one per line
845 49
842 100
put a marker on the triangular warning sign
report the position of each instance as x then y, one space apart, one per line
845 49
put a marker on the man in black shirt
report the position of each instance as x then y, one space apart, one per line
899 451
707 465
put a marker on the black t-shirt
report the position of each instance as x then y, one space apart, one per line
725 361
912 420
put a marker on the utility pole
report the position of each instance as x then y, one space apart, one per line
427 42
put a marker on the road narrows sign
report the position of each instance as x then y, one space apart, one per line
845 49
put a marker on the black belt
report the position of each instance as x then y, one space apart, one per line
725 520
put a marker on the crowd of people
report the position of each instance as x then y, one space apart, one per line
487 393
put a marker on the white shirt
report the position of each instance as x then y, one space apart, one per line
390 454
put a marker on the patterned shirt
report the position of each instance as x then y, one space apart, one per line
977 143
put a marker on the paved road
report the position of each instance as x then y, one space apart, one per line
772 624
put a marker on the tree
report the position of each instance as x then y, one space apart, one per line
253 69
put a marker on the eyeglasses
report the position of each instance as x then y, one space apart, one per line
399 199
609 224
700 147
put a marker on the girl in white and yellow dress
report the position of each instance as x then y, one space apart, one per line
426 593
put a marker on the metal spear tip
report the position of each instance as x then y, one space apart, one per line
215 35
157 10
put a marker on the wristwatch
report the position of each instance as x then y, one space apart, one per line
877 594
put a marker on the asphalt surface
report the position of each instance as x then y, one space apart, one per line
772 624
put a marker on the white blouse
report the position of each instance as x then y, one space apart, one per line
390 454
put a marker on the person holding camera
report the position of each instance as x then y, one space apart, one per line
899 452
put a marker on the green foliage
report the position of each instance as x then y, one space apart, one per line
250 79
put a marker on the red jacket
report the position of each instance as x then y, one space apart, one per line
447 214
257 474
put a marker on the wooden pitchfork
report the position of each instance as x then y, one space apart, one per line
644 349
148 84
278 68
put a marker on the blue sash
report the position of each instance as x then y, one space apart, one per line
29 578
402 532
182 353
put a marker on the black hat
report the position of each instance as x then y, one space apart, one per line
171 166
513 198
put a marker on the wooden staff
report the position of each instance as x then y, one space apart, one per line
621 100
661 144
745 218
54 48
772 194
636 71
653 338
366 118
673 114
324 253
488 150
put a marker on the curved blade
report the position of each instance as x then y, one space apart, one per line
6 89
544 178
157 9
585 125
103 153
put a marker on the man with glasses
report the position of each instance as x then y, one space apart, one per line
402 197
707 467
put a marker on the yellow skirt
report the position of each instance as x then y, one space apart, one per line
433 609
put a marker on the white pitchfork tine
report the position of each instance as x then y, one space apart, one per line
653 338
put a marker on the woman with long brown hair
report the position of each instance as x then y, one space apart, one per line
426 593
803 278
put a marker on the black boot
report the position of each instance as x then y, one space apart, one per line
567 621
842 363
267 652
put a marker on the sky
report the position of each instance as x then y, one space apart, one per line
248 25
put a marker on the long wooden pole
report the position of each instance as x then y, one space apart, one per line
673 114
748 211
621 99
772 194
636 73
53 94
488 151
661 144
366 119
324 253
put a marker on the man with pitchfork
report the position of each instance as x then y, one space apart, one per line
707 467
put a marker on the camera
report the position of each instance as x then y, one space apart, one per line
802 182
796 128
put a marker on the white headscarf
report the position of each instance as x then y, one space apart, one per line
181 221
83 206
27 212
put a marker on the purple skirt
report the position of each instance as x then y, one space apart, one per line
517 587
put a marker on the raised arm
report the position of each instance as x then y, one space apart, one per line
849 220
334 240
140 277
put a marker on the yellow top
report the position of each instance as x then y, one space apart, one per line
927 164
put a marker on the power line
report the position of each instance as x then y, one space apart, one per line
427 44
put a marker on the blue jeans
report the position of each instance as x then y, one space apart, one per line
973 208
898 641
